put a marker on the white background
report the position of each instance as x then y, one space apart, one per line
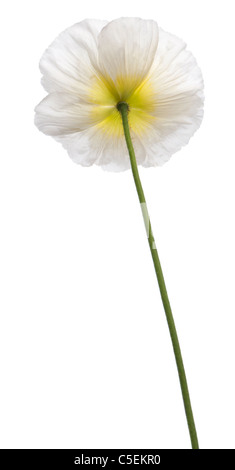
86 358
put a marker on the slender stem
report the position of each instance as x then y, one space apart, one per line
123 109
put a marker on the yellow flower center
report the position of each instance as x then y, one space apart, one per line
105 95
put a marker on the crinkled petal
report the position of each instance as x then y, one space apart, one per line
163 140
92 146
81 146
115 156
127 47
70 61
175 74
64 113
178 99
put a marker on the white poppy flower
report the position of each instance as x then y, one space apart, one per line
94 65
120 94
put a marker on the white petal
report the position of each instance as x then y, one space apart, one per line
165 139
64 113
127 48
115 156
69 61
178 99
81 146
175 72
92 146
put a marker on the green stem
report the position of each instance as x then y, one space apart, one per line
123 109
